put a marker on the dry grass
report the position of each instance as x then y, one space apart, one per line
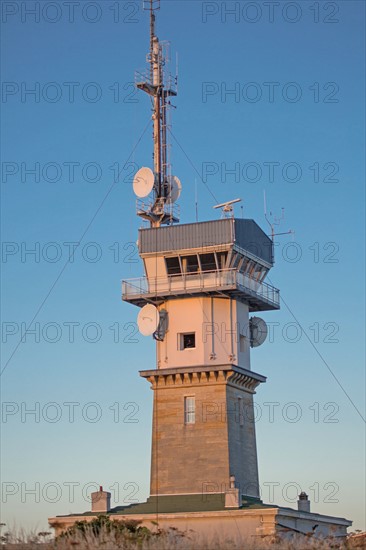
131 536
167 541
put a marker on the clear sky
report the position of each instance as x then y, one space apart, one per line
293 126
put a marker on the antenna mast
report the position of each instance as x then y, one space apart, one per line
159 86
272 220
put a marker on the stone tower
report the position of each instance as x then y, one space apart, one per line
201 282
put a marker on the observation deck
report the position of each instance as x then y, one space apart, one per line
228 283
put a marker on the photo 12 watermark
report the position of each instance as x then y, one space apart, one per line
263 11
70 11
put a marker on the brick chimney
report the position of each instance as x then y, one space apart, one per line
101 501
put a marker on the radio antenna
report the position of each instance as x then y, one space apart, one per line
160 86
196 197
275 221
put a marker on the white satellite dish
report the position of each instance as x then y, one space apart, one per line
143 182
148 320
175 189
258 331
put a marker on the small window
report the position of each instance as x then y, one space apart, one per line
221 259
173 266
190 264
208 262
244 265
235 260
189 410
187 340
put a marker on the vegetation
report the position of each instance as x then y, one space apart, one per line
106 534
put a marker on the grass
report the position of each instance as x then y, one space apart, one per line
112 535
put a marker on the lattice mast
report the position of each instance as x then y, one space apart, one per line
159 85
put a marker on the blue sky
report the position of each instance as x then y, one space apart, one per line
322 63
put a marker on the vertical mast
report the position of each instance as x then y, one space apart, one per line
154 85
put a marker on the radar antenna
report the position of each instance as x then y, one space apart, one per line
160 86
227 208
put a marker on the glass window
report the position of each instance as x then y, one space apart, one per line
190 263
187 340
173 266
221 259
208 262
189 410
244 265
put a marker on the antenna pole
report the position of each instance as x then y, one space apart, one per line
196 198
266 218
152 34
157 84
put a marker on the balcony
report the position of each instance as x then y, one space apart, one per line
225 283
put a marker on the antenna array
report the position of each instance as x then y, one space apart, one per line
160 85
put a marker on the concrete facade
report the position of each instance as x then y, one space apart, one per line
221 328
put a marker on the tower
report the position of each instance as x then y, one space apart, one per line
202 281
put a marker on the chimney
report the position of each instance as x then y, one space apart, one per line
232 495
101 501
303 504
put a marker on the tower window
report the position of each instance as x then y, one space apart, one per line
187 340
173 266
221 259
208 262
189 410
190 264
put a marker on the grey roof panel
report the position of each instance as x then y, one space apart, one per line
245 233
251 237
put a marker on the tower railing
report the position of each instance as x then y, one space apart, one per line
196 282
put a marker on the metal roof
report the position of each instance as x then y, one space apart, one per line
244 233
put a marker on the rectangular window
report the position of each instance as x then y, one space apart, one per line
221 259
173 266
208 262
189 410
187 340
190 264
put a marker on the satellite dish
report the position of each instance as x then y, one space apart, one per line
175 189
258 331
148 320
143 182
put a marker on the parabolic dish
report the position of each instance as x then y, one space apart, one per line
148 320
175 189
143 182
258 331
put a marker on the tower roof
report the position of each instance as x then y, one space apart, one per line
242 233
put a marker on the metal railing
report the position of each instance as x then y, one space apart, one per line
199 281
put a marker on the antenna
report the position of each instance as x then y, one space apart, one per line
273 220
196 197
160 86
227 208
